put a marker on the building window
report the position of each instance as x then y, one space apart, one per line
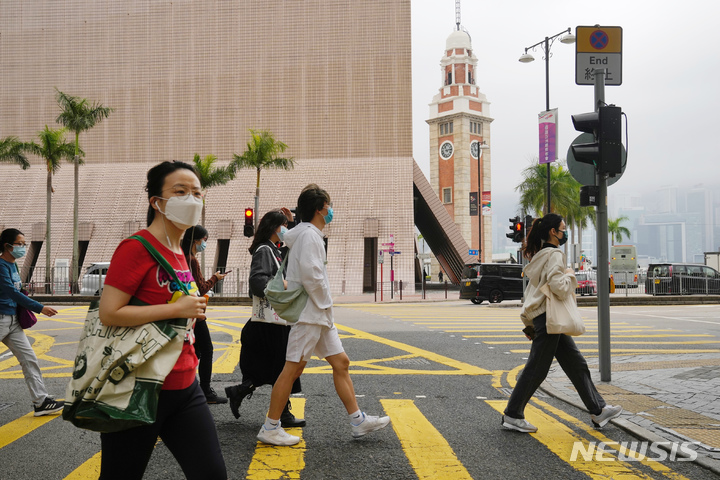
476 128
446 128
447 195
448 81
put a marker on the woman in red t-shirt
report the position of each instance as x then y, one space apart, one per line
183 419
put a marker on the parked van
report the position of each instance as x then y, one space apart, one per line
94 279
681 279
493 282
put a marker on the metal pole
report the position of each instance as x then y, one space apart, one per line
547 109
603 283
392 278
479 207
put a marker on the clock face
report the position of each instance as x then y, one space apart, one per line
475 149
446 150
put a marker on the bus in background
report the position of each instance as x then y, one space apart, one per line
624 266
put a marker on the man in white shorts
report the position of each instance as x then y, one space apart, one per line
315 332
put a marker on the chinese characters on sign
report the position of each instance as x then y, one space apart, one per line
548 136
598 48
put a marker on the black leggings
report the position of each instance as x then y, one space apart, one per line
184 424
204 352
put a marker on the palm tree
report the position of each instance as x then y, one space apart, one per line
52 149
78 115
262 152
12 150
210 177
564 190
616 230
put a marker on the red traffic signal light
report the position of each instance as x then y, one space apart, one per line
517 230
249 229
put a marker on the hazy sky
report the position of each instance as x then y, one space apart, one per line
670 90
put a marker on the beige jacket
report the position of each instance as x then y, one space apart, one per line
547 267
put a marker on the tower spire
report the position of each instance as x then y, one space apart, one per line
457 13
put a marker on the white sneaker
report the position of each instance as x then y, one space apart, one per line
369 424
277 436
519 424
608 413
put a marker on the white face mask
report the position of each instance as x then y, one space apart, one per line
184 211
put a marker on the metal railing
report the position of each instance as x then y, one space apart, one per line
57 282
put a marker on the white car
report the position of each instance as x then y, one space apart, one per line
94 279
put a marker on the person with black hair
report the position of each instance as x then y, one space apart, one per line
13 246
194 242
315 332
548 267
183 420
264 337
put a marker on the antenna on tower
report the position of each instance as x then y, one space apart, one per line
457 13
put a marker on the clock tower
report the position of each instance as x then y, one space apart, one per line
460 143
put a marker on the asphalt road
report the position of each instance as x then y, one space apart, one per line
441 370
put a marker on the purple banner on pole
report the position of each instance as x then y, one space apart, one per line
547 122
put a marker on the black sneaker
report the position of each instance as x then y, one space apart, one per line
50 406
213 397
237 394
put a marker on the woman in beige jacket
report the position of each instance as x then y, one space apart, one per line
548 267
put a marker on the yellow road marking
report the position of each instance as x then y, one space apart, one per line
22 426
230 357
628 452
639 351
614 342
371 366
89 470
594 336
559 439
271 462
427 450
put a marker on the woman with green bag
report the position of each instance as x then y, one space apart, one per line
183 420
265 336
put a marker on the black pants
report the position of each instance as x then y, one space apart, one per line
184 424
544 347
204 352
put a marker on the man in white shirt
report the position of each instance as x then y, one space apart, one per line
315 332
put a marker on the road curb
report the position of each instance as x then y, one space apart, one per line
633 429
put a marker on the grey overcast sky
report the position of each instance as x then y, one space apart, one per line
670 90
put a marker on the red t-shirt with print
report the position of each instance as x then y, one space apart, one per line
134 271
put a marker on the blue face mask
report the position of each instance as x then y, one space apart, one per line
201 247
328 218
18 251
281 234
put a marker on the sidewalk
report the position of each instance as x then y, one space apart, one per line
666 398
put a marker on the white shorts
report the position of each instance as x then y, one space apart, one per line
306 340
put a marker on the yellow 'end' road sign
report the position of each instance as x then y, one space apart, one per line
598 47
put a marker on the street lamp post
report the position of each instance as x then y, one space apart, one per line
527 58
481 146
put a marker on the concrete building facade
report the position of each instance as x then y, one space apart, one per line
331 79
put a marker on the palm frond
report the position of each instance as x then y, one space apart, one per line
13 150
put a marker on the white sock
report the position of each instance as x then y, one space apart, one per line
357 417
271 424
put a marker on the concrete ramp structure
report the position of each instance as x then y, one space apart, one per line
437 228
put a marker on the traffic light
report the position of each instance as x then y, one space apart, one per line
606 152
249 229
517 230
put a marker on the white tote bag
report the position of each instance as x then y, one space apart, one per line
562 314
